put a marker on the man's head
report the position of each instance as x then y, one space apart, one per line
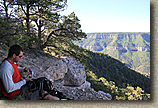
15 52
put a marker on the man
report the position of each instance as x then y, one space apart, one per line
11 83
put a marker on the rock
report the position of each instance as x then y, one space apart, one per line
84 85
57 70
107 94
75 93
76 75
88 84
66 71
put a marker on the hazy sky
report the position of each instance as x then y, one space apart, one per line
111 15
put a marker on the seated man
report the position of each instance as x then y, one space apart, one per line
11 83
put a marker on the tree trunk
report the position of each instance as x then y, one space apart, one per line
27 20
39 30
6 10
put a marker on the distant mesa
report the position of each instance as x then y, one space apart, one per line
132 47
117 41
95 48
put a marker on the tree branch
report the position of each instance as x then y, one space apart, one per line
2 6
23 10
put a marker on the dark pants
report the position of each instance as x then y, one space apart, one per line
25 94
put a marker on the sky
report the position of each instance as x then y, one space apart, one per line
111 15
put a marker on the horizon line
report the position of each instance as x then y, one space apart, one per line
117 32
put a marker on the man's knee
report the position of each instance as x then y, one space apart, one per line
50 97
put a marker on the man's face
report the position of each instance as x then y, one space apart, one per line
17 58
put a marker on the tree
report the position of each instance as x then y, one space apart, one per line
9 24
44 27
37 10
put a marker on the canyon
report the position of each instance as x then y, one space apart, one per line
131 48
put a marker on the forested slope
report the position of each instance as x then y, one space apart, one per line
110 75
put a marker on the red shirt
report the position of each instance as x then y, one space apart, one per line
16 78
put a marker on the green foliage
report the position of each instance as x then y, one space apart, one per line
19 98
113 70
39 25
126 92
75 51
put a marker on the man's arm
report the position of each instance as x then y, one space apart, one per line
6 76
21 69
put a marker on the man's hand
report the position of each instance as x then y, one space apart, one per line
27 79
29 75
27 69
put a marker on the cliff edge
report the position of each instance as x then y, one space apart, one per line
67 75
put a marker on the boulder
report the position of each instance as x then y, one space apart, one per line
67 75
107 94
76 93
75 75
57 70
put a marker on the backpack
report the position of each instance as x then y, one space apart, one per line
43 83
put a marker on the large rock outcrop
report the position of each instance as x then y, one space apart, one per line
67 75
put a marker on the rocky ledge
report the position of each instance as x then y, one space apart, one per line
67 75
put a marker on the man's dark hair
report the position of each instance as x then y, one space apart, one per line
15 49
